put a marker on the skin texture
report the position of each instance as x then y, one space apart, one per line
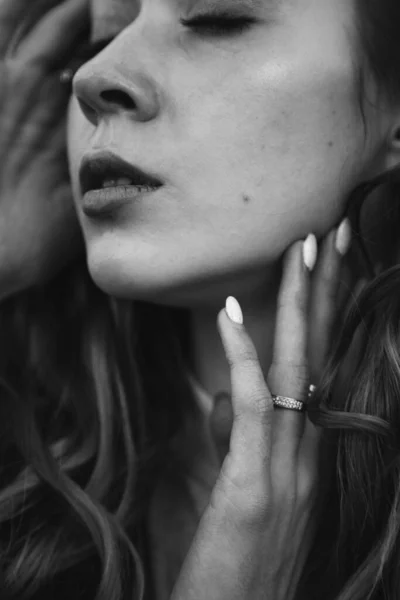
257 135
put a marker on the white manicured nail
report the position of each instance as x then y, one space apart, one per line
310 252
233 310
343 237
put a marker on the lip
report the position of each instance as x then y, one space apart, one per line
105 202
97 167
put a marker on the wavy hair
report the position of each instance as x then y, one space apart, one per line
81 446
93 393
356 555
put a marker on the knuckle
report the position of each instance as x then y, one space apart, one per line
257 406
245 366
247 356
262 403
244 358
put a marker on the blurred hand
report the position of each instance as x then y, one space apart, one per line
39 232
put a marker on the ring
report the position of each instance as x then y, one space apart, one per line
311 390
289 403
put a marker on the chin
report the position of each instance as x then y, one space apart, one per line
165 285
166 275
155 282
164 289
123 280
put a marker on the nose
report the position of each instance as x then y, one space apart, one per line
108 85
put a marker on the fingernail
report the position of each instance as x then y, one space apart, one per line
233 310
310 252
343 237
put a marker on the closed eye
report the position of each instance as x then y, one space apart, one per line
222 24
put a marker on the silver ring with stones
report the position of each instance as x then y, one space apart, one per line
288 403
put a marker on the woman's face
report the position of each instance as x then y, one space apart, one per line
255 132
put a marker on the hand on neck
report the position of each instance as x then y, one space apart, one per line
211 369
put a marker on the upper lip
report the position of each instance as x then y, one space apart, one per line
97 168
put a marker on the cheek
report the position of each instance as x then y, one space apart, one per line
309 115
289 136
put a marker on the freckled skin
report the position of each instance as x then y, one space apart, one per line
273 110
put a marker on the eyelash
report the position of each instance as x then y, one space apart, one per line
221 24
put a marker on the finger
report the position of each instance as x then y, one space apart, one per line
15 17
323 309
323 318
221 421
288 375
53 39
250 444
325 315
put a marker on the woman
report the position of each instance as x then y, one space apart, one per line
229 135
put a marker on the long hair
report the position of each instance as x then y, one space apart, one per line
356 555
81 446
93 393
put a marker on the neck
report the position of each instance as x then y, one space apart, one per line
209 362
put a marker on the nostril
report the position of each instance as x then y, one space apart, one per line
118 97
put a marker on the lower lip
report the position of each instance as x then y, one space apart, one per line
105 201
